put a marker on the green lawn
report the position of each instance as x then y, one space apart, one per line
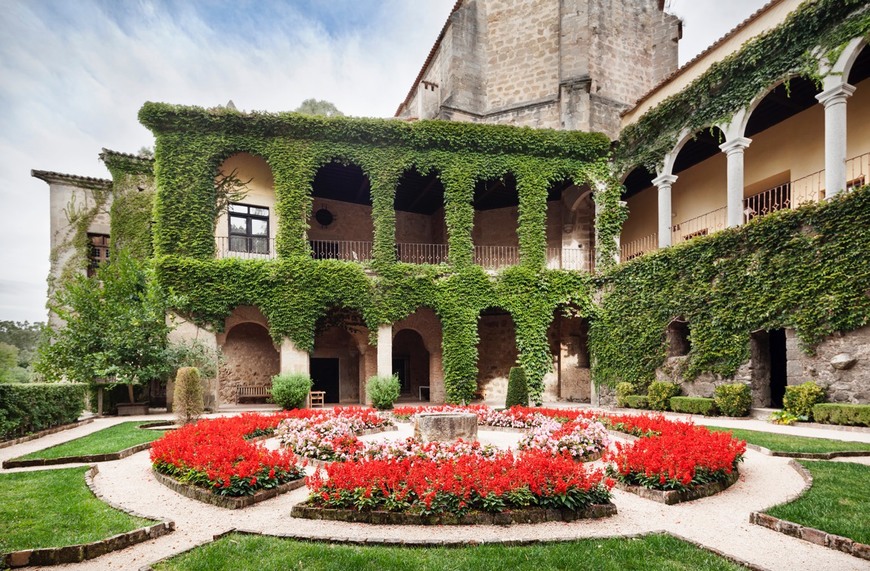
838 501
54 508
105 441
260 553
788 443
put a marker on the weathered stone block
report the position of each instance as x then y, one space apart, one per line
445 427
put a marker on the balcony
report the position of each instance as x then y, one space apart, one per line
488 257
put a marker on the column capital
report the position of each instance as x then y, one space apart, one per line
665 179
837 94
737 145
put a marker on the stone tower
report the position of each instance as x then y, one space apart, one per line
563 64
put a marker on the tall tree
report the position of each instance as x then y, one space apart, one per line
318 107
23 335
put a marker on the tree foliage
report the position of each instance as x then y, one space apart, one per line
23 335
318 107
115 327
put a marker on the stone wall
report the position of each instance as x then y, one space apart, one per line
352 221
337 343
250 359
841 365
496 354
571 376
426 324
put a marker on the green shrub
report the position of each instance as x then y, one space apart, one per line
188 395
383 391
291 390
518 390
637 401
800 400
783 417
623 390
660 393
694 405
27 408
733 400
849 414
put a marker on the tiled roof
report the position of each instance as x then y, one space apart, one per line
73 179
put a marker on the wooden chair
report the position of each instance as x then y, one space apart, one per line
316 399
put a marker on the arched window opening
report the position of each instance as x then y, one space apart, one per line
247 220
496 213
421 230
341 225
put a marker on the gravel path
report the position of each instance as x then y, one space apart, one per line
720 522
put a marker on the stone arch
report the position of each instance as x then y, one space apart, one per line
570 226
340 225
856 68
342 358
496 221
421 228
571 377
639 232
497 352
426 325
841 69
248 225
250 357
678 337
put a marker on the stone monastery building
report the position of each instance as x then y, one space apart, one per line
554 192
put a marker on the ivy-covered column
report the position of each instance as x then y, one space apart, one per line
834 100
459 214
664 183
734 149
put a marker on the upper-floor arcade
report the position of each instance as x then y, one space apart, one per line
386 191
798 141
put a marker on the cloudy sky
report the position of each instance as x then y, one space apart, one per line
74 73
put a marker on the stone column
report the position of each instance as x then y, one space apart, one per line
664 184
734 150
294 360
385 350
834 100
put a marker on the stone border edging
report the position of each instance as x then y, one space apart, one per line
671 497
448 543
840 427
809 534
228 502
525 516
88 458
809 455
84 551
46 432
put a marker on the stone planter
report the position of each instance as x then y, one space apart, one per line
671 497
446 427
132 409
229 502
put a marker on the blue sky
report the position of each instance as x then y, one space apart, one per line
74 73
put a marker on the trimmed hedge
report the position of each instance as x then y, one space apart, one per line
623 390
637 401
849 414
31 407
734 399
694 405
660 393
517 391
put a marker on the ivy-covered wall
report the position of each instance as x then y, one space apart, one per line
806 269
131 211
294 291
818 27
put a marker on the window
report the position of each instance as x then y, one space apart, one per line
249 229
98 251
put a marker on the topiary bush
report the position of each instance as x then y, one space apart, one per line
188 395
848 414
623 390
637 401
290 391
660 393
694 405
517 390
800 400
733 400
383 391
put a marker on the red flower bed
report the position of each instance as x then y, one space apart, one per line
216 455
681 456
637 425
426 486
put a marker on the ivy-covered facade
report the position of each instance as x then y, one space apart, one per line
447 252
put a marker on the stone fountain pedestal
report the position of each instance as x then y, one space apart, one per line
446 427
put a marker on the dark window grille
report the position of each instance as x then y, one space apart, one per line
98 252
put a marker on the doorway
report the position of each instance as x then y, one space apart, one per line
778 374
401 368
324 373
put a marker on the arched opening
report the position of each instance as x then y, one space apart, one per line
496 353
411 365
639 232
784 165
698 199
341 360
571 377
769 360
247 220
341 225
679 343
570 226
496 212
858 136
250 362
421 231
